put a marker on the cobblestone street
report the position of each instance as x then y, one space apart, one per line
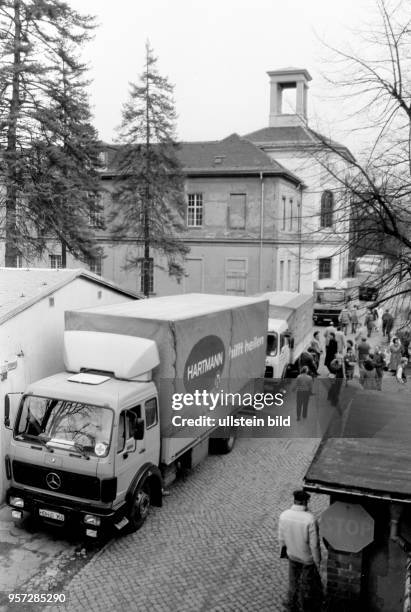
213 545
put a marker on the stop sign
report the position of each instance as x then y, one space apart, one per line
347 527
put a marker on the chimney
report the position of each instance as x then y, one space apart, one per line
288 78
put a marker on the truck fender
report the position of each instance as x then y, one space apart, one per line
150 472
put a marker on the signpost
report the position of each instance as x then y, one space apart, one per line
347 527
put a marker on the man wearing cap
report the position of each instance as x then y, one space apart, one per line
299 541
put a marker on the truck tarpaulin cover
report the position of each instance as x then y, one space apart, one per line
205 342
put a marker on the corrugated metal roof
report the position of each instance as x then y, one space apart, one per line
22 287
374 455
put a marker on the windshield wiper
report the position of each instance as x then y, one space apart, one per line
67 445
26 436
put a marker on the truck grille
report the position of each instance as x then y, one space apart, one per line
70 483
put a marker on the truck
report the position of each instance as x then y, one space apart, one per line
94 446
330 296
290 328
369 270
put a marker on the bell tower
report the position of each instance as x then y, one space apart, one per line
288 78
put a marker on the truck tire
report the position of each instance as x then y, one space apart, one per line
139 507
223 446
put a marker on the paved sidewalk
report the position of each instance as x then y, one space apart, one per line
213 546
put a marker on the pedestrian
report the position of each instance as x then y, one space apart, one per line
341 342
330 350
387 323
344 319
338 371
404 335
369 322
329 330
361 333
349 364
400 374
354 319
363 351
299 542
316 346
307 358
396 355
379 365
304 388
368 375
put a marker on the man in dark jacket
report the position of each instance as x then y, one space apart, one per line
387 323
307 358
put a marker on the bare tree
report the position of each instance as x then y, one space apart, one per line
375 189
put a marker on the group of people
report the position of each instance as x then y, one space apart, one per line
342 355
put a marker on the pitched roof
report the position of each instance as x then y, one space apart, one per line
231 155
298 135
20 288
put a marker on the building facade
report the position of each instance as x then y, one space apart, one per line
262 211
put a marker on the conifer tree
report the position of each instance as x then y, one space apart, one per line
149 189
41 127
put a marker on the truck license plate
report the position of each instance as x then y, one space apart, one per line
56 516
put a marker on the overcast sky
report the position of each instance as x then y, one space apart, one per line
217 53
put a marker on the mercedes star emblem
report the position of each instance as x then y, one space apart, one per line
53 481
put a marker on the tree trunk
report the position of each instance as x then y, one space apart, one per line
11 251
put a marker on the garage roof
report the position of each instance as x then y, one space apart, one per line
22 287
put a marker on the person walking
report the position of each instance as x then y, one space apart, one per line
379 365
401 371
300 543
344 319
387 323
396 355
338 370
330 350
341 342
368 376
349 364
369 322
354 319
363 351
328 331
304 388
315 345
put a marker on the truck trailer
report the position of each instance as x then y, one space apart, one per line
290 328
94 446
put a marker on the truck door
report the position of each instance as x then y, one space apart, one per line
127 457
284 353
150 446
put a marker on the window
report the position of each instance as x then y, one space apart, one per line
195 210
284 212
121 435
327 209
236 211
324 268
95 264
150 266
96 219
151 413
289 277
19 261
55 261
281 275
291 214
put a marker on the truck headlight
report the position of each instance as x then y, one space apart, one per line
18 502
90 519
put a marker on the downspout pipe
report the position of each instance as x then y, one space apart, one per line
260 271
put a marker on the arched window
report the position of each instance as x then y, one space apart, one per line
327 209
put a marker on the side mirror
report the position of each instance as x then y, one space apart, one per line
7 412
11 405
139 429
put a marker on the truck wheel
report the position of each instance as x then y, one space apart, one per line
140 507
223 446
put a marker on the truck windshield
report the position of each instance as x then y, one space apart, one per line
65 424
272 344
330 296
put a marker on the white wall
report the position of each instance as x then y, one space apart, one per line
36 334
